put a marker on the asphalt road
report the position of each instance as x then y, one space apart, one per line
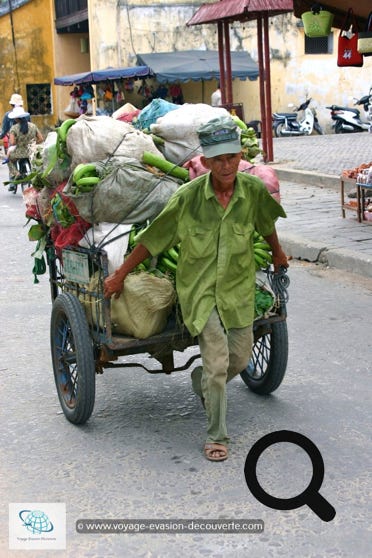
140 454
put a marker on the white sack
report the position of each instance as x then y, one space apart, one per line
112 238
94 138
178 129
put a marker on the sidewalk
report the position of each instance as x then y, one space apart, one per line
309 170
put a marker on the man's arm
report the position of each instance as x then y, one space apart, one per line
279 257
114 283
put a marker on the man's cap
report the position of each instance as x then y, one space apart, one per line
219 136
16 100
18 112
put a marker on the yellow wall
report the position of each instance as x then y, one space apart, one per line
32 59
68 59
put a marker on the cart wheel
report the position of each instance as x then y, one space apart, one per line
266 369
73 361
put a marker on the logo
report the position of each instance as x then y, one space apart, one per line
36 521
34 526
310 496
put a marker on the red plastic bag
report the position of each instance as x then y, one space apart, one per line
30 197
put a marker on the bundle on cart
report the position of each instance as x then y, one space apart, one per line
97 181
119 190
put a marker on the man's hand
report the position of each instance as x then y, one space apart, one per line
113 285
280 260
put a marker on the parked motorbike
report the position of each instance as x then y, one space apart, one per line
289 123
347 119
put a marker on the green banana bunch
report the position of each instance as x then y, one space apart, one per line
64 128
261 251
84 178
166 263
250 146
248 139
61 137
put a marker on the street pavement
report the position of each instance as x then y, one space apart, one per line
309 170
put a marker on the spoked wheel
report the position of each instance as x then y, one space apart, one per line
278 129
266 369
73 360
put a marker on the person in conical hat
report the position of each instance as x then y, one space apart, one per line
15 101
21 135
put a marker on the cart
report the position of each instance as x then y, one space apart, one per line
83 343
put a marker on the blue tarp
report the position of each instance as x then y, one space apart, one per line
196 65
97 76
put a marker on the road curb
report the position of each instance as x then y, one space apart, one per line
307 177
347 260
344 259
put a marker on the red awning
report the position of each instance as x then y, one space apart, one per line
239 10
225 12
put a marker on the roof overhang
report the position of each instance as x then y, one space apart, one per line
239 10
111 74
196 65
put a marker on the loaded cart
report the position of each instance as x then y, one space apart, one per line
83 342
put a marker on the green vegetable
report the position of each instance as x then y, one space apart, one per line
61 211
239 122
36 232
165 166
64 128
263 301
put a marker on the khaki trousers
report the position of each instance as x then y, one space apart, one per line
224 355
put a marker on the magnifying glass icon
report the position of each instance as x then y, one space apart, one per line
310 496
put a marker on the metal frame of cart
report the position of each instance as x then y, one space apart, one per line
83 343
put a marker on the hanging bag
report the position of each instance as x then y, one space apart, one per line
347 53
365 38
317 22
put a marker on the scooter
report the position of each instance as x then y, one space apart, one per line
287 123
348 119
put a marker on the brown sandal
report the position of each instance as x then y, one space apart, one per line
209 449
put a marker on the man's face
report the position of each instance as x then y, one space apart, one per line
223 168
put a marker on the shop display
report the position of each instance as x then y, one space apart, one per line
359 198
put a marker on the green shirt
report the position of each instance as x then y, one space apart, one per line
216 266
